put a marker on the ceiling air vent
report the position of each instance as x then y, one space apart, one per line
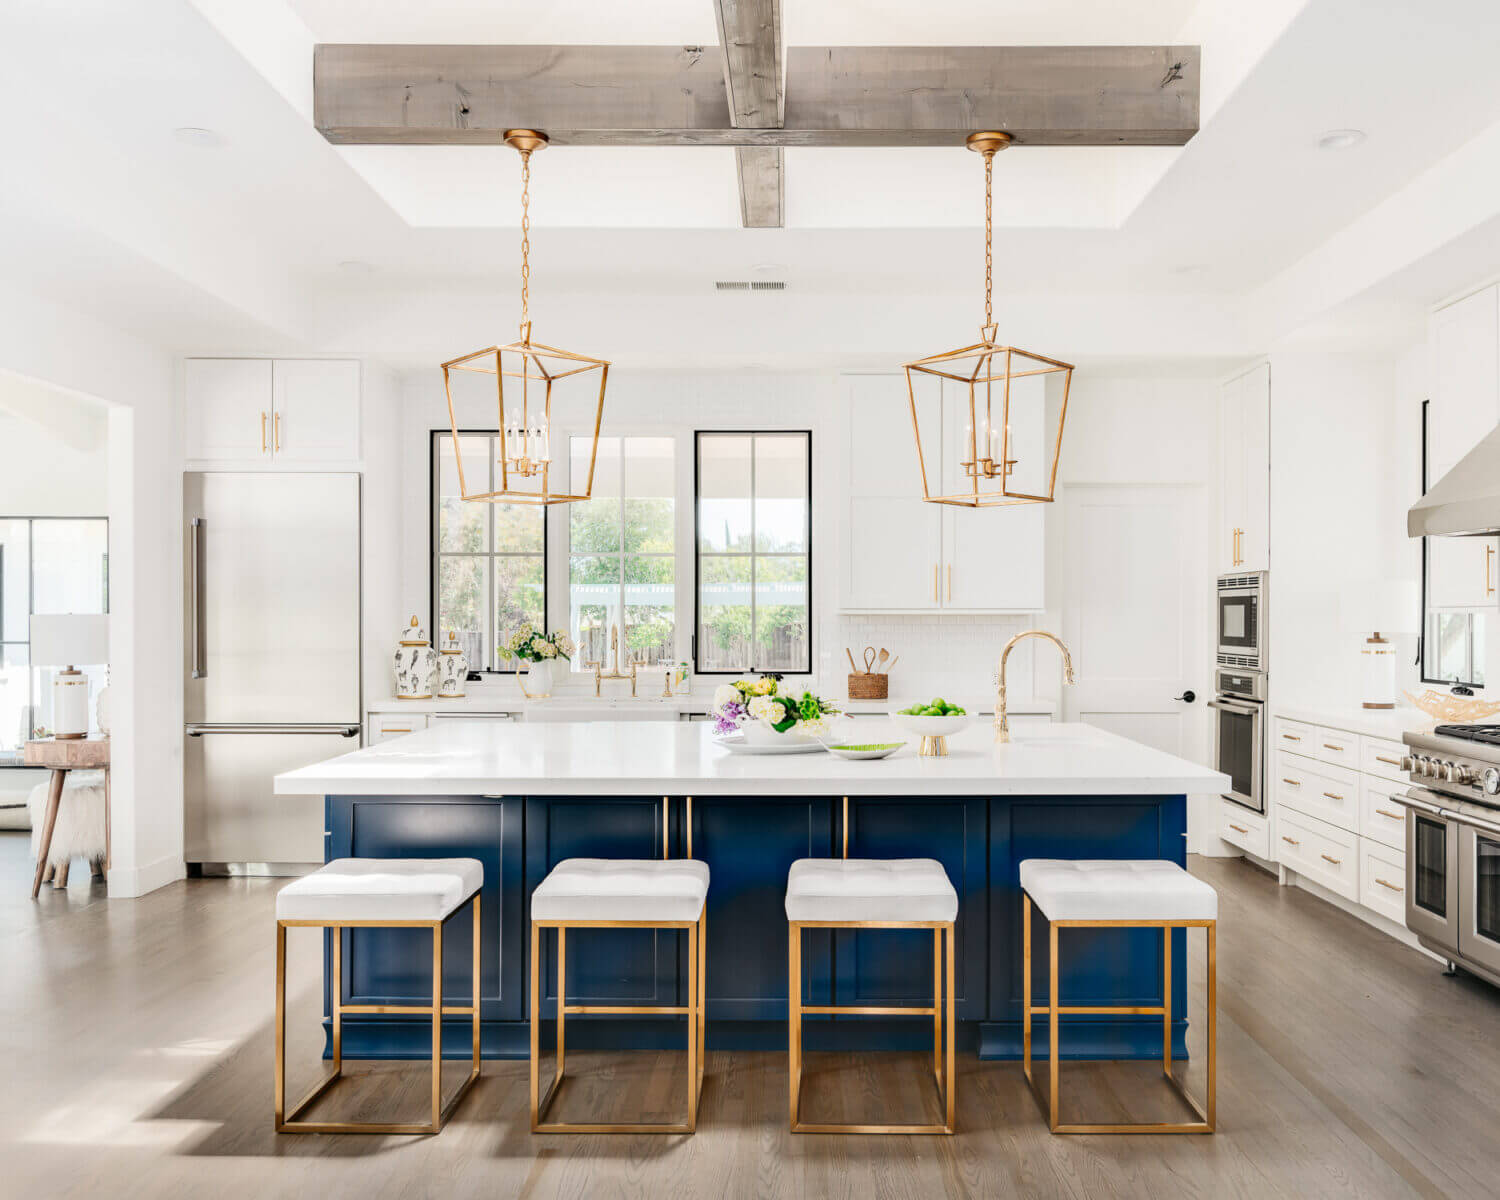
750 285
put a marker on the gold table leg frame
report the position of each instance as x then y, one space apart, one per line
941 1011
1048 1100
287 1122
697 934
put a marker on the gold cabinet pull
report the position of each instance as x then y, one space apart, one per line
1331 746
1489 554
950 583
1395 762
262 433
1239 829
1385 883
1290 841
936 595
1330 858
1333 795
1291 737
276 441
1293 782
1385 812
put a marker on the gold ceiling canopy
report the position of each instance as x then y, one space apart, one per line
983 379
524 411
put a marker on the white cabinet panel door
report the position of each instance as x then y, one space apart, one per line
1461 573
1464 346
893 549
1232 501
1136 614
317 410
1255 458
228 403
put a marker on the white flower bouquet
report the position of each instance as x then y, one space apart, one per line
531 645
759 700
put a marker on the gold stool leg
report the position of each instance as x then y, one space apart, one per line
937 1003
336 1001
952 1074
562 998
536 1017
1026 987
1213 1025
476 960
1166 1000
437 1024
280 1026
1052 1024
794 1013
694 999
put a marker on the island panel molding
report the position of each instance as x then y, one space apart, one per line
383 94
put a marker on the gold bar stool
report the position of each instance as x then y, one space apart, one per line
866 893
603 893
382 893
1119 894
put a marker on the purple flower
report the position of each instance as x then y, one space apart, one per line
728 718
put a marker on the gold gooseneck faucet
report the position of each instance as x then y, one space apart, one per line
1002 723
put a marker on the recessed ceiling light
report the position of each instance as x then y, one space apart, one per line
356 266
1341 139
193 135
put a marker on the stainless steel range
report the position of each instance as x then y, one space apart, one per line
1453 844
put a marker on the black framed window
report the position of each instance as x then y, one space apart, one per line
1453 640
489 561
752 509
47 565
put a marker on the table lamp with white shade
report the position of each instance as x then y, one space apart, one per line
1380 608
70 641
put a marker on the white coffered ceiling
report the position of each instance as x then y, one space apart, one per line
1181 252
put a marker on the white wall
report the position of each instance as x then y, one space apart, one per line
53 454
44 341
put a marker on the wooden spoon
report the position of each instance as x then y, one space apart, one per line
884 655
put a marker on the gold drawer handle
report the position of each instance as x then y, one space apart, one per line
1384 812
1333 796
395 729
1395 762
1291 737
1290 841
1330 858
1385 884
1293 782
1239 829
1331 746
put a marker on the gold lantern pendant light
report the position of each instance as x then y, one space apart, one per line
984 374
523 467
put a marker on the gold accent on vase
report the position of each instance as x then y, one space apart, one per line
988 461
525 429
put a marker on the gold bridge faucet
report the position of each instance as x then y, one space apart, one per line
1002 723
614 671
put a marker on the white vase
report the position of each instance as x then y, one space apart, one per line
539 680
415 663
762 733
453 669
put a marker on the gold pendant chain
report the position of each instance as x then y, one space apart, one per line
989 171
525 244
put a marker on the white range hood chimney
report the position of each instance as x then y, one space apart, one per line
1466 501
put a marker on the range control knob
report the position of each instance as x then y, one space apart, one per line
1445 771
1408 763
1461 774
1492 781
1427 766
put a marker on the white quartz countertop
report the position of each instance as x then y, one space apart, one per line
1388 723
613 758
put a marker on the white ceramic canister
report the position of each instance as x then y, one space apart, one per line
453 669
415 663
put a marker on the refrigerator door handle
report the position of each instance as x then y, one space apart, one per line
200 728
195 600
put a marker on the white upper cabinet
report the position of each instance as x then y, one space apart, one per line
316 410
1464 360
244 410
903 554
228 409
1243 542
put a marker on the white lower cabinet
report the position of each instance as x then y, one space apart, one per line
384 726
1333 820
1245 829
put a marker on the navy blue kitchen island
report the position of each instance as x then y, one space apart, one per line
520 810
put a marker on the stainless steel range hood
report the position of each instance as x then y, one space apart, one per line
1466 501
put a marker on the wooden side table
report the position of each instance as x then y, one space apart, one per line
70 754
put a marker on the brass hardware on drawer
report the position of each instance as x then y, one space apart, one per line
1293 782
1489 553
1290 841
1385 812
1331 746
1395 762
1385 884
936 595
1330 858
1239 829
1333 795
395 729
1291 737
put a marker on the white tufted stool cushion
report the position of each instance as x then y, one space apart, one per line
869 889
1117 890
622 889
381 889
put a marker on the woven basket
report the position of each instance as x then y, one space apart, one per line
869 687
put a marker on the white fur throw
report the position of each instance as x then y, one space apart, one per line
79 832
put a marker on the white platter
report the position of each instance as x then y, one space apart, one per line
857 755
735 743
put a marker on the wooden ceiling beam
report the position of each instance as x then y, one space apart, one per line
833 96
750 39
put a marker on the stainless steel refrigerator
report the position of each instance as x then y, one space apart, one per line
272 635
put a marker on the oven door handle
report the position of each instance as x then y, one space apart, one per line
1458 818
1238 710
1415 798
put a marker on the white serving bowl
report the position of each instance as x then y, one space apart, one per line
931 726
760 733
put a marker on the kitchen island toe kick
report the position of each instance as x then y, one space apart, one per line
521 799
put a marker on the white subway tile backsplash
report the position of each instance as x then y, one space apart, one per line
951 656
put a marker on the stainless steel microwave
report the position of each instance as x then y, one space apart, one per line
1241 620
